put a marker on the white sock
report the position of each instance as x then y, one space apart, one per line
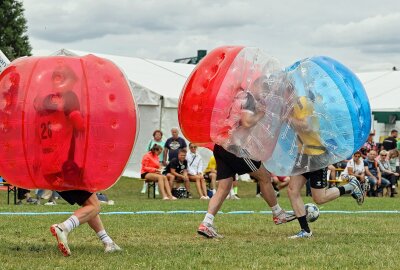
276 209
70 223
156 186
214 191
232 192
209 218
103 236
348 188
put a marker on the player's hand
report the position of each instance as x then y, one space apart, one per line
396 174
164 163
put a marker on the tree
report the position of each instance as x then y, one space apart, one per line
13 39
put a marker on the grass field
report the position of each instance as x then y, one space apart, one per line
252 241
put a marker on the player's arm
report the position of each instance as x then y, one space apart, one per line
249 119
77 120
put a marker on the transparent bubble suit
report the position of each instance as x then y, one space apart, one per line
309 115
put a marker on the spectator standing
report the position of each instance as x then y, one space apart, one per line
390 142
172 146
157 139
195 171
368 145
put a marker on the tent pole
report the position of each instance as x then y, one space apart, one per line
161 112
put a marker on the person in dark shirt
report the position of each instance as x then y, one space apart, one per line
172 146
374 175
176 170
390 142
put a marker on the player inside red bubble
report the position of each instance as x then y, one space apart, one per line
58 123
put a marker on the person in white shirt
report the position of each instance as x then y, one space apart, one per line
355 168
195 171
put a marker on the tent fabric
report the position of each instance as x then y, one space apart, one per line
383 89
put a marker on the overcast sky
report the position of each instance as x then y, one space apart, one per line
364 35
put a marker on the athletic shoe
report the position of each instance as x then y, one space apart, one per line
31 200
51 203
61 237
111 247
358 192
208 230
283 217
204 198
189 195
301 234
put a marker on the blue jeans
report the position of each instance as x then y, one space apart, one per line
373 183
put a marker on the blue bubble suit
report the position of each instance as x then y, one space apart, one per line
327 117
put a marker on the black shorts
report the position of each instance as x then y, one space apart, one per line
143 175
75 196
228 164
317 178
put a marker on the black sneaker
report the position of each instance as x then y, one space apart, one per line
189 195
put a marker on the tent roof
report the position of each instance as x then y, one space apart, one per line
164 78
383 89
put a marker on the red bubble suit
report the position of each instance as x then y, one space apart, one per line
230 85
65 123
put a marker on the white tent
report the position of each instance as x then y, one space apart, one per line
383 89
156 87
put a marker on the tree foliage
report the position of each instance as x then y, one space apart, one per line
14 41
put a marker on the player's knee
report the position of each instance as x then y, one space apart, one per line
319 200
293 192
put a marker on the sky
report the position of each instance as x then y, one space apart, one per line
364 35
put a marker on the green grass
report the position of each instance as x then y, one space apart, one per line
341 241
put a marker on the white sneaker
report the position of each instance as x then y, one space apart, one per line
301 234
203 198
61 237
51 203
111 247
157 192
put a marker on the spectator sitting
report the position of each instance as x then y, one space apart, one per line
384 166
157 139
25 194
337 167
195 171
47 195
176 171
368 145
354 168
173 145
390 142
210 174
373 174
151 171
